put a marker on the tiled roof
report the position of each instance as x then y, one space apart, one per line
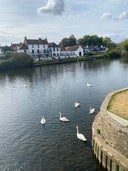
52 44
70 48
14 46
35 41
23 46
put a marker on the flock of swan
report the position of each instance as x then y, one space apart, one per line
64 119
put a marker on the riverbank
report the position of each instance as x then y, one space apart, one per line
67 60
17 64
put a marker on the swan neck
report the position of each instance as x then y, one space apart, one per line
77 129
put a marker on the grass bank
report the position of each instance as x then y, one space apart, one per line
119 104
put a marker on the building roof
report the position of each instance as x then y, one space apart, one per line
14 46
35 41
23 46
70 48
52 44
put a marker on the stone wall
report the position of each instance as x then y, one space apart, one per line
110 139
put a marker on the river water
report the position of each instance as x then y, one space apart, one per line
28 94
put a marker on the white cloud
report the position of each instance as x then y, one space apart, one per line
55 7
123 15
106 15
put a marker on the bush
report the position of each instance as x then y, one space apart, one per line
124 53
18 60
113 54
22 60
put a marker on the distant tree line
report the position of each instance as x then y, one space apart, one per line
88 40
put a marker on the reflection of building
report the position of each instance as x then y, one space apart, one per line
72 51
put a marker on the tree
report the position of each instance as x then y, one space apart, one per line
22 60
6 48
71 41
88 40
123 46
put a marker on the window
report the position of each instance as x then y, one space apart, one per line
106 162
110 164
101 156
32 51
117 167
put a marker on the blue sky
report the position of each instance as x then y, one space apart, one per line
57 19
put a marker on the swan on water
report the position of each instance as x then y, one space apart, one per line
80 136
88 85
25 85
77 104
43 120
92 110
64 119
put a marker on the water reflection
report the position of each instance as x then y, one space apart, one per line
24 143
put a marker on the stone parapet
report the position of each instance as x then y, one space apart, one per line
110 138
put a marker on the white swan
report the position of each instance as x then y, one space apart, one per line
64 119
80 136
88 85
77 104
43 120
92 110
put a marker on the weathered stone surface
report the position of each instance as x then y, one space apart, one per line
110 133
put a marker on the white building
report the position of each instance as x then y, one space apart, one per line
54 50
72 51
38 48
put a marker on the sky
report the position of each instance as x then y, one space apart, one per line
58 19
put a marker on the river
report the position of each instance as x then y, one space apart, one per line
28 94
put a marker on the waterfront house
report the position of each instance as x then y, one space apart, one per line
37 48
54 50
72 51
94 49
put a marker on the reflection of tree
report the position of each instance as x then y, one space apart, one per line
124 60
25 74
96 64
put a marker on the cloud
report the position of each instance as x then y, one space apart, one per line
106 15
123 15
55 7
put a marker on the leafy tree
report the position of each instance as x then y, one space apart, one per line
71 41
88 40
18 60
108 43
6 48
113 54
124 45
22 59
